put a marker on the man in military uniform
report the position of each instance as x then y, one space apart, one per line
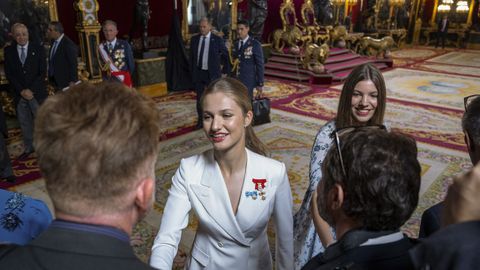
249 53
117 54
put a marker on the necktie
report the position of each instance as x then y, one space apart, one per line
200 55
110 46
54 48
241 45
50 63
23 56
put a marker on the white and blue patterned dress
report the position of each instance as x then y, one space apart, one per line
306 241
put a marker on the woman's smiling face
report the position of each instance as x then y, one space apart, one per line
364 101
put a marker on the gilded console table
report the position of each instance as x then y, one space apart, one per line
459 35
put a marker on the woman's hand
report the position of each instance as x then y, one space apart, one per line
321 226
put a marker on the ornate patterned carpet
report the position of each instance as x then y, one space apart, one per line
425 104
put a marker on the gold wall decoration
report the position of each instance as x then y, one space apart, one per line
88 29
52 10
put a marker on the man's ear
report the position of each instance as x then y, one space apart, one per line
336 196
248 118
145 195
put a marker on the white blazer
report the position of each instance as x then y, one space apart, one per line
223 240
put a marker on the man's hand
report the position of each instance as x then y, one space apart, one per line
27 94
463 201
259 92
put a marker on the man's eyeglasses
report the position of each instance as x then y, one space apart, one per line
469 99
346 130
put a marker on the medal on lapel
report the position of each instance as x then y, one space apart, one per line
260 187
252 194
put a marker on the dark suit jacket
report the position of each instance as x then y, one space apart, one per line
391 256
61 248
454 247
31 76
122 46
431 220
251 67
64 62
440 24
217 57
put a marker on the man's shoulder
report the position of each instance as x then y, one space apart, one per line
123 43
11 47
392 255
195 36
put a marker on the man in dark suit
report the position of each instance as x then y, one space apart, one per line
249 53
99 174
442 30
25 69
116 54
432 217
62 60
370 186
208 60
456 246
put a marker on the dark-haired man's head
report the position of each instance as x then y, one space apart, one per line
381 187
242 29
471 128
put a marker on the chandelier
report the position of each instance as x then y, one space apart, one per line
462 7
443 8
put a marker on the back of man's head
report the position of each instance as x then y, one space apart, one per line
382 181
471 128
95 143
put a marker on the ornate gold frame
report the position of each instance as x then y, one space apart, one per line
185 33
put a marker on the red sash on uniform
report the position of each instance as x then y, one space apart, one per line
121 75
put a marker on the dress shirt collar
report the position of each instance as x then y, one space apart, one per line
99 229
245 39
59 38
19 47
113 42
207 35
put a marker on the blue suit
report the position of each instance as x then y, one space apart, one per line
218 63
251 66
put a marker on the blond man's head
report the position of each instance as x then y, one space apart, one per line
95 144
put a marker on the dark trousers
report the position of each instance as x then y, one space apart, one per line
441 36
203 79
26 112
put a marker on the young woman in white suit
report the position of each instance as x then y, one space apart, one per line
233 189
